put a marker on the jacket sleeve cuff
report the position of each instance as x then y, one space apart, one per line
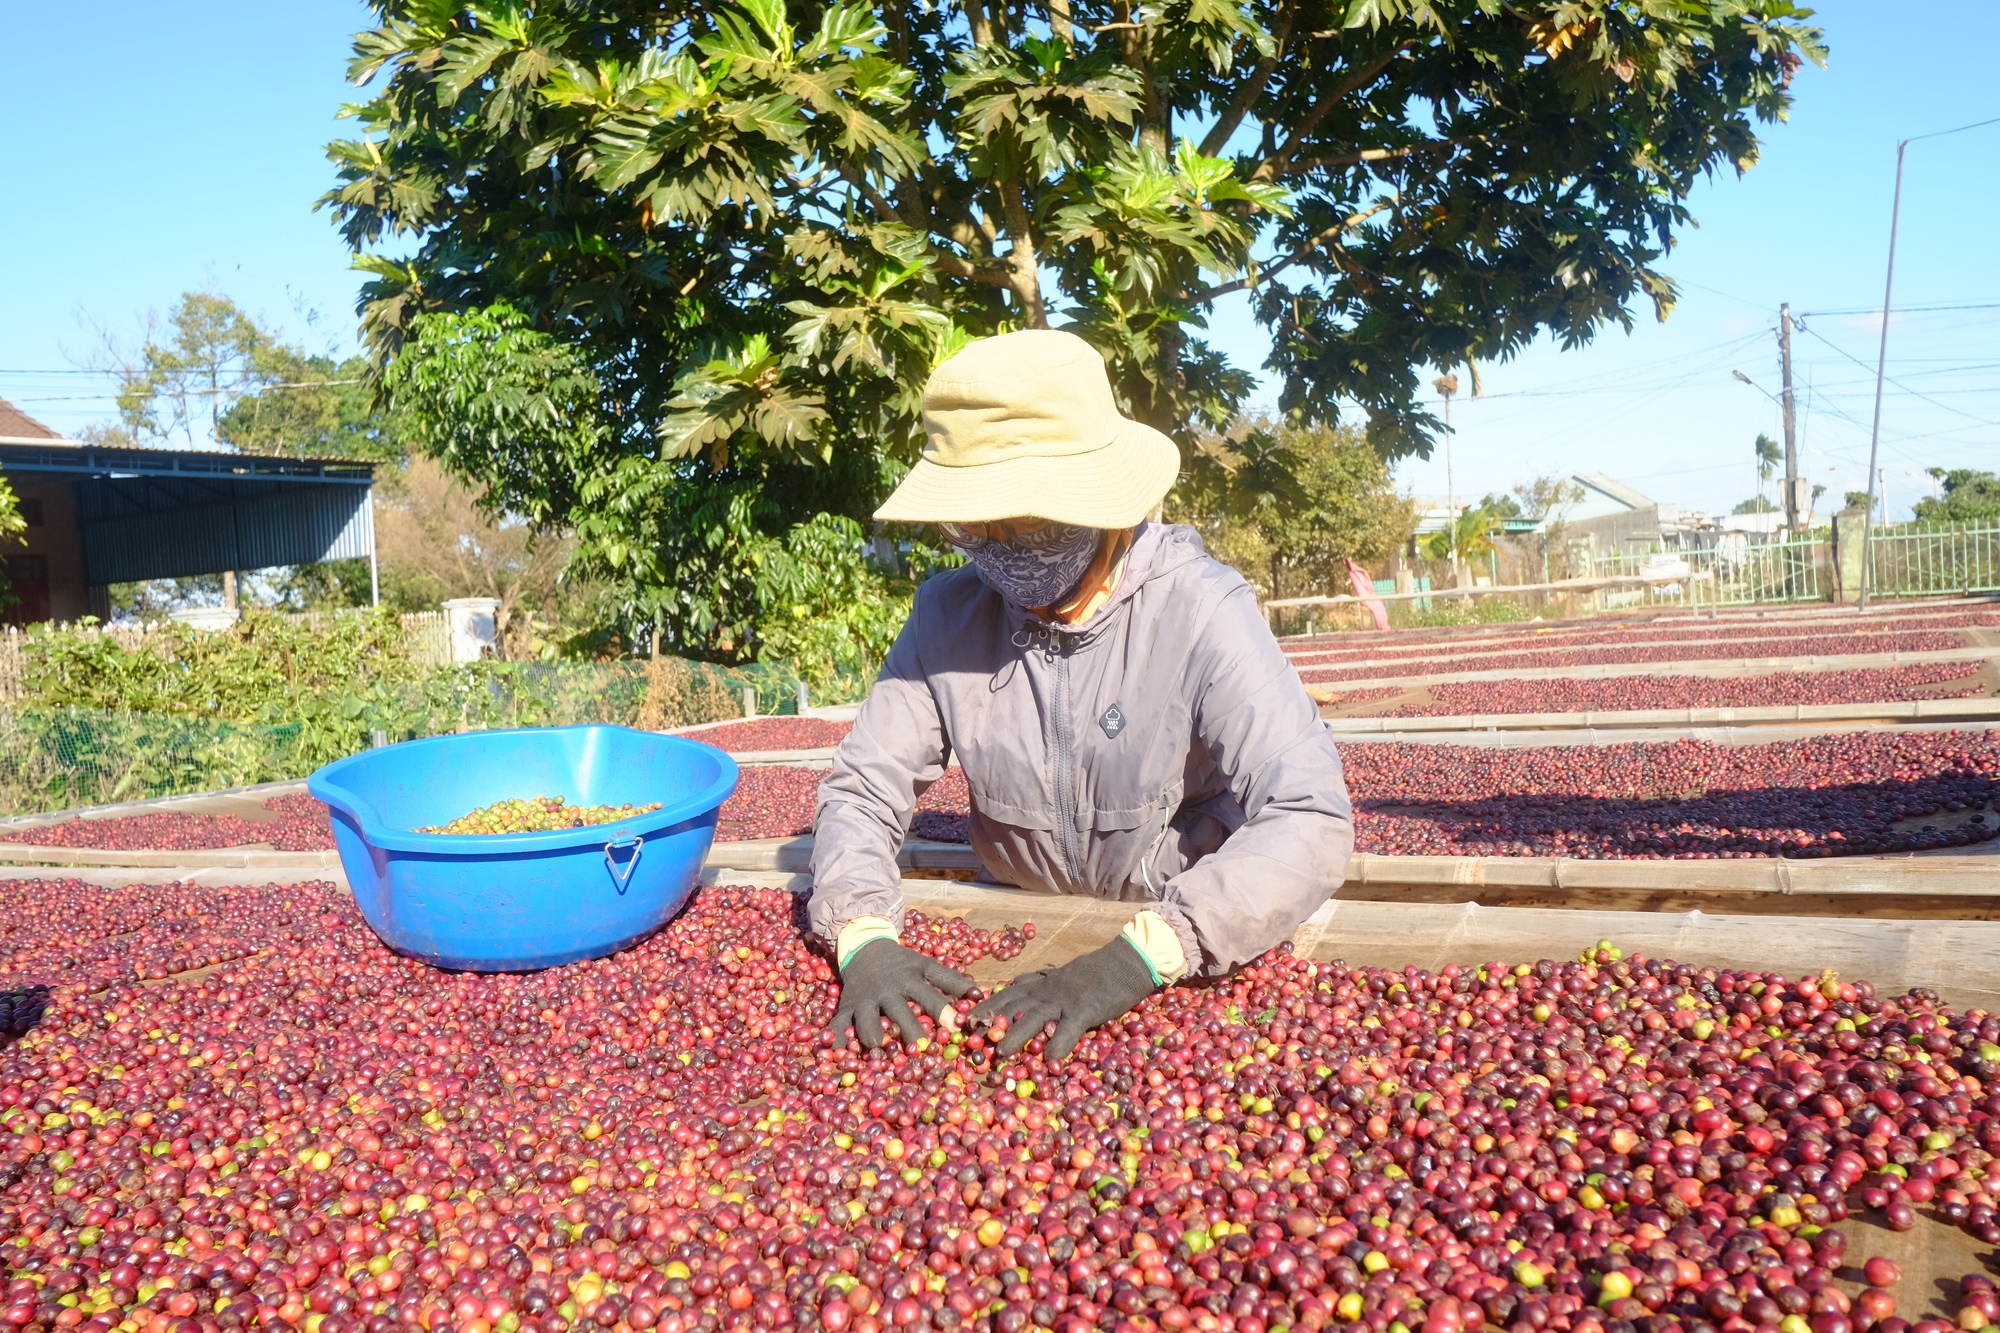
1159 944
862 930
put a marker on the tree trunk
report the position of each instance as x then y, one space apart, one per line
1024 265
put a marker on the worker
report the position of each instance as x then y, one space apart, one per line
1127 724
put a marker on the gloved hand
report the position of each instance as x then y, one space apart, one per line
884 979
1078 996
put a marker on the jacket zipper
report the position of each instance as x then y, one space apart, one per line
1065 760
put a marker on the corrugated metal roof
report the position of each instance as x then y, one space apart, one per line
1617 490
85 459
172 513
171 527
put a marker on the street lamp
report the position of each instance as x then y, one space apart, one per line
1882 355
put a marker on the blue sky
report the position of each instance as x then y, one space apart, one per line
163 147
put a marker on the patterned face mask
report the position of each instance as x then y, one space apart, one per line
1039 572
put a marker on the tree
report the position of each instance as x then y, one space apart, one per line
213 374
1770 455
13 528
1969 497
1289 506
760 225
1756 504
434 541
310 406
1547 499
1857 502
1500 506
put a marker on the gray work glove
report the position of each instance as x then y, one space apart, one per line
1078 996
884 979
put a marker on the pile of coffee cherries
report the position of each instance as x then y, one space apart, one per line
957 943
84 935
774 733
302 825
1836 795
538 814
1369 695
777 800
330 1138
1780 689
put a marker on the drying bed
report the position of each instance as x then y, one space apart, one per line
1441 662
301 824
1571 694
1649 630
1851 793
320 1135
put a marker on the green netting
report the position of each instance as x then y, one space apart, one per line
53 759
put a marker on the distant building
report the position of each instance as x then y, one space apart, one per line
1615 517
98 516
1769 524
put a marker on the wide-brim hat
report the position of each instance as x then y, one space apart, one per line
1025 424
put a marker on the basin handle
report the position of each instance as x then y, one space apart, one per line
637 843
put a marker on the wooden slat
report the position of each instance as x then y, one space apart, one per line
1930 886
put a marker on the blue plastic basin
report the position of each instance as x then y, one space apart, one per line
517 901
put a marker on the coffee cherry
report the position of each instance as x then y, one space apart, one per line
1882 1272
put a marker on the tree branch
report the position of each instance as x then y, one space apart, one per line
1252 89
1268 169
874 196
946 262
1376 154
1257 277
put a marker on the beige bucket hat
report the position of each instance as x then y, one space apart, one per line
1024 424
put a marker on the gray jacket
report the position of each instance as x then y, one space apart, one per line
1164 752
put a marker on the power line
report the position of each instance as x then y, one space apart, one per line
1898 383
192 393
1901 309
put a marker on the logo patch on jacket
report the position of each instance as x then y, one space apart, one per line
1113 722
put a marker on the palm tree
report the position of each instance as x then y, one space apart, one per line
1471 535
1769 455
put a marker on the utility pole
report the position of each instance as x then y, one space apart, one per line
1792 515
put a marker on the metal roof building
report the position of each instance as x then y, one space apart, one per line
98 516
